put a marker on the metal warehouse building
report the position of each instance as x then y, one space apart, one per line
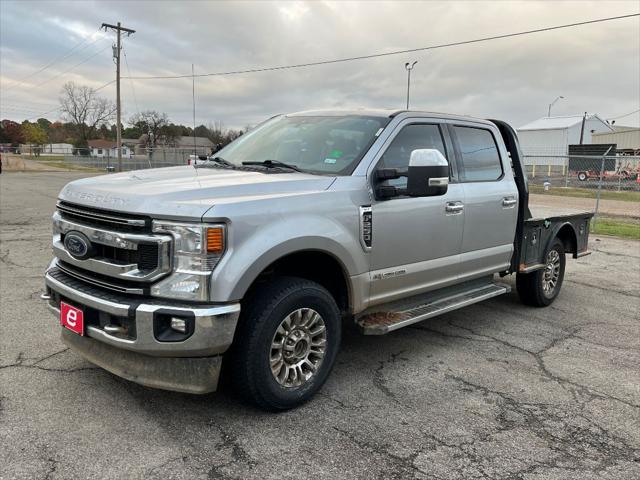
627 139
553 135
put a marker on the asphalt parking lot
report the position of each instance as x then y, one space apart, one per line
497 390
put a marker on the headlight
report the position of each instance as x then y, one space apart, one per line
198 247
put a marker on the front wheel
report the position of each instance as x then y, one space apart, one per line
582 176
286 345
540 288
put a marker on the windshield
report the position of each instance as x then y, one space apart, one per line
323 145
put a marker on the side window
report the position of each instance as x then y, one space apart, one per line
480 158
410 138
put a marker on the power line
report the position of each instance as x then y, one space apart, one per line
42 114
625 115
104 86
133 89
397 52
85 60
59 58
76 65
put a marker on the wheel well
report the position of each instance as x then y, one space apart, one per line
319 267
567 236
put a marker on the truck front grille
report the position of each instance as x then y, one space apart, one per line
122 253
146 256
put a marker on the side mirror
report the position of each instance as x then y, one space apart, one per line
428 173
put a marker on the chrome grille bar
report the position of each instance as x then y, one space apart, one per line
98 283
100 216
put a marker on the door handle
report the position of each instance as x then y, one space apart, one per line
454 207
509 202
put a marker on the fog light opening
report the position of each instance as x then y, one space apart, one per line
179 324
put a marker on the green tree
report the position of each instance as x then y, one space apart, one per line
35 135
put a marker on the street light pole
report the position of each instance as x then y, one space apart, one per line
409 66
552 104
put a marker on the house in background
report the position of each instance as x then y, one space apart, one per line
201 145
107 148
132 144
553 135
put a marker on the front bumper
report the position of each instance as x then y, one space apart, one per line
192 365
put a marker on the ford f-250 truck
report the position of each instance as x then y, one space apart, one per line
249 263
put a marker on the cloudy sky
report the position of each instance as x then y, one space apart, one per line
595 67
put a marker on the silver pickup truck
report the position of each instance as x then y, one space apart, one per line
248 265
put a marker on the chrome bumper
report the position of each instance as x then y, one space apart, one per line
144 359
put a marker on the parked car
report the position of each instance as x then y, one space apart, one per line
250 263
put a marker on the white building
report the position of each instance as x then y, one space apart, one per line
57 149
553 135
107 148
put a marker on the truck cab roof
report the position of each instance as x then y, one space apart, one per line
385 113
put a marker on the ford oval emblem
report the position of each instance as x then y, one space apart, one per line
78 245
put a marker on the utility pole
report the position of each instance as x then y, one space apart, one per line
584 120
116 54
409 66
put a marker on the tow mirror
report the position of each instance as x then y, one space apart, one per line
428 173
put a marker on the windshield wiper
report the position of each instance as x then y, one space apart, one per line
275 164
222 161
216 160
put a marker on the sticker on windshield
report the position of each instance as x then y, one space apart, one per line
329 160
335 154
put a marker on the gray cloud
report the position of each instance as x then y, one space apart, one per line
597 67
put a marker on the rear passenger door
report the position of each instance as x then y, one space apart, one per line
491 200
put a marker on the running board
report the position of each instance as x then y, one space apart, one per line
385 321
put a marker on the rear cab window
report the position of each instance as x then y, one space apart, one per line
479 154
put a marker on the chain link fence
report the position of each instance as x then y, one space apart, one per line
615 173
609 185
152 158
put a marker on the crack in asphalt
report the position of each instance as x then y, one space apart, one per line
238 455
582 444
20 363
405 465
604 289
5 259
379 380
53 466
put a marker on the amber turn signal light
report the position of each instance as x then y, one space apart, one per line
215 240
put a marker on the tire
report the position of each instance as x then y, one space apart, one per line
531 286
295 305
582 176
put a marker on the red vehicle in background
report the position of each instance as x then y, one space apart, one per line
622 172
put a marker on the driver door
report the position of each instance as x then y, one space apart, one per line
416 241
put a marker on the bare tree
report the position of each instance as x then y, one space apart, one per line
86 111
154 125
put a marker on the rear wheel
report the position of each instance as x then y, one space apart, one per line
540 288
286 345
582 176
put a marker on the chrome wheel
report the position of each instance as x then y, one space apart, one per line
551 273
298 347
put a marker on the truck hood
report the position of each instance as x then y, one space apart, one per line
185 192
